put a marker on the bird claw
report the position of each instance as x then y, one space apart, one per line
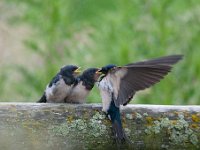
108 116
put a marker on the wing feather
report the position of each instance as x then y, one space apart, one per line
169 60
129 79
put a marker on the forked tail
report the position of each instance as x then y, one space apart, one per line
114 114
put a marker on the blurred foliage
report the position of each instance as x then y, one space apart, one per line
94 33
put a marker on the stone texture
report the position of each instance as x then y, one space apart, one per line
64 126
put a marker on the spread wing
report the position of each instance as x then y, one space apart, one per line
133 77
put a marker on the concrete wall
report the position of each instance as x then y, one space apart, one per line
64 126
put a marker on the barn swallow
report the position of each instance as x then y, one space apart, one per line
60 86
84 84
118 84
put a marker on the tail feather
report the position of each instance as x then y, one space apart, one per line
43 99
118 131
114 114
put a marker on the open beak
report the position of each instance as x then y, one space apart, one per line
99 72
77 71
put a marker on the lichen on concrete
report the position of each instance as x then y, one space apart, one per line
145 114
179 131
196 117
194 139
129 116
138 116
86 127
127 131
154 128
78 124
165 122
62 130
93 127
149 120
99 116
96 125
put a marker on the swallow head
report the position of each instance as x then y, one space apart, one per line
106 69
92 74
70 70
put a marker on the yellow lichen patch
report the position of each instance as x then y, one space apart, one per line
107 122
195 118
124 125
149 120
176 113
70 119
194 126
174 122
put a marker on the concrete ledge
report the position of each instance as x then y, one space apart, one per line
64 126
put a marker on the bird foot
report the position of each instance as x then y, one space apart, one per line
107 115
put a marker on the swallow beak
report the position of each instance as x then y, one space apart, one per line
77 71
99 72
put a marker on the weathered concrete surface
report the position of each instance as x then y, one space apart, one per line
63 126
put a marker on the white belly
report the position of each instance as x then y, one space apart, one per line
106 91
78 94
57 92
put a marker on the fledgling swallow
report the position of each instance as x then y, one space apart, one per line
60 86
119 84
84 84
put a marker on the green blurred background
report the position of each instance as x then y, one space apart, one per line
39 36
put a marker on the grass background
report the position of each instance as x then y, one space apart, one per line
92 33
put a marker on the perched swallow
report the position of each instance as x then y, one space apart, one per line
84 84
60 86
119 84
